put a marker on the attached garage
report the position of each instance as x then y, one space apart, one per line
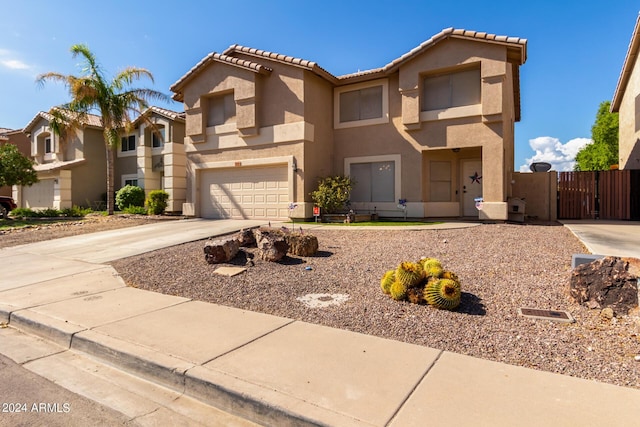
40 195
245 193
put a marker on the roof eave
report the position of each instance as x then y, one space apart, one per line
627 67
215 57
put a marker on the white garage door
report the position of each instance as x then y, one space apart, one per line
39 195
245 193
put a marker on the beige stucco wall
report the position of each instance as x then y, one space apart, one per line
316 161
89 180
629 137
539 191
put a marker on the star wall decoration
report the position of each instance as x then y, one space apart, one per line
475 178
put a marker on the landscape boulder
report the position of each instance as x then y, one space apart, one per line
221 250
246 238
271 244
610 282
302 244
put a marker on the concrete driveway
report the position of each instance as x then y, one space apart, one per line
602 237
110 245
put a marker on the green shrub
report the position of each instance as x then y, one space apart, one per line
129 195
157 202
333 193
75 212
48 213
23 213
135 210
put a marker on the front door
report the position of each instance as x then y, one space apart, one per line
471 186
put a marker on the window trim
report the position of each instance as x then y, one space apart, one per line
337 124
129 177
451 112
396 158
163 141
128 153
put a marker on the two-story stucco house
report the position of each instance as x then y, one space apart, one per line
626 102
434 127
72 170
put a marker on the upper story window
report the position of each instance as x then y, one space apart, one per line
221 110
157 137
451 90
128 143
48 145
361 104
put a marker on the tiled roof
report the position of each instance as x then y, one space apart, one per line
627 67
518 43
171 115
225 59
299 62
4 130
92 120
517 48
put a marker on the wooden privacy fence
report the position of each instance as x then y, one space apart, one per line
613 194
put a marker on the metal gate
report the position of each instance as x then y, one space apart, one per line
613 194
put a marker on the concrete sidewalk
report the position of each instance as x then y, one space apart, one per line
268 369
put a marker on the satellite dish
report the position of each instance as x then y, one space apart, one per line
540 167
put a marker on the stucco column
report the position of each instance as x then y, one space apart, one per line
493 188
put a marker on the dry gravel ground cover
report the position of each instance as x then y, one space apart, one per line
501 266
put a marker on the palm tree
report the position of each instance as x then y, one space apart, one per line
114 101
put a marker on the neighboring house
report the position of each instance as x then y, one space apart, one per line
434 127
626 102
19 139
72 170
152 156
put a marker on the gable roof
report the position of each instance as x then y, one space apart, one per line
92 120
220 58
627 67
517 52
169 114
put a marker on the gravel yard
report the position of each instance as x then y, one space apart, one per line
501 267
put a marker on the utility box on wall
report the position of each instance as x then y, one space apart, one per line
516 208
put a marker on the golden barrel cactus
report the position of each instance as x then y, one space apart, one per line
409 273
443 293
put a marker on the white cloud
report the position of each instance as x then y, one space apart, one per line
14 64
551 150
8 60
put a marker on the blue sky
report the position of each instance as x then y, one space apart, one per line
575 48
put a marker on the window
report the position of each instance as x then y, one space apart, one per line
128 143
129 179
440 181
375 181
221 110
157 137
452 90
362 104
48 146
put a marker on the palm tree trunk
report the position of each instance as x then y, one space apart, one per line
110 177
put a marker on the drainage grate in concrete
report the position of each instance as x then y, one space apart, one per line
555 315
